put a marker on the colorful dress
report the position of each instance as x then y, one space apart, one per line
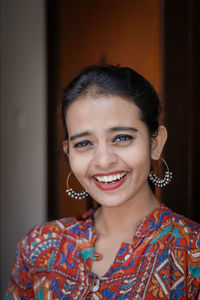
53 261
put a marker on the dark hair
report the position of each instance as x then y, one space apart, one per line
115 80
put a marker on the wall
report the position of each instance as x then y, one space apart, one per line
22 124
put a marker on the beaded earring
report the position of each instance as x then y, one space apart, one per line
161 182
71 193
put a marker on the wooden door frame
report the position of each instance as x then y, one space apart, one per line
181 73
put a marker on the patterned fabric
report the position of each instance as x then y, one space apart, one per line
54 260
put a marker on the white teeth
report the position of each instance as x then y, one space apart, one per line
110 178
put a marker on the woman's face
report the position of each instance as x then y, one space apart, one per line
109 148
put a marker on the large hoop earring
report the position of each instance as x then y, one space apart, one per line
71 193
161 182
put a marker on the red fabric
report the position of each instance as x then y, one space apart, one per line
53 261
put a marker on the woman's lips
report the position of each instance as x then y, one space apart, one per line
110 181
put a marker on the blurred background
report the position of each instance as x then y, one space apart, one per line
43 46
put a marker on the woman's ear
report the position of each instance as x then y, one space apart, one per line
158 142
66 147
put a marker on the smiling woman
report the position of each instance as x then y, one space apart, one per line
114 140
129 246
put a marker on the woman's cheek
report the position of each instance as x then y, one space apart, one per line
78 164
134 153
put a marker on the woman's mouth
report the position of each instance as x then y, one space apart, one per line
110 181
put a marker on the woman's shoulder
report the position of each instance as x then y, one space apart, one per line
168 215
52 233
189 226
181 228
52 228
45 243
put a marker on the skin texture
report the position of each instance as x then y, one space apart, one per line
106 134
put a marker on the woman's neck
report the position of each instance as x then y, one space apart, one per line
121 222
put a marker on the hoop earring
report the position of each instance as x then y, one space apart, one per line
71 193
161 182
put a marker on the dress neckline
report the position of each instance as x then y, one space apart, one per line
143 228
88 236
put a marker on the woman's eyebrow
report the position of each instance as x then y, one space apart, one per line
122 128
113 129
78 135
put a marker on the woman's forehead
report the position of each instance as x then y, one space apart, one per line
102 105
103 112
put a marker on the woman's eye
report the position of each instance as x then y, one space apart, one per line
82 144
122 138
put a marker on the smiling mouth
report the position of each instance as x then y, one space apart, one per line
111 178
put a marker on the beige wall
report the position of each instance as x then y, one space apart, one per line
22 124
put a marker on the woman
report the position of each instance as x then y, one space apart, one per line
130 246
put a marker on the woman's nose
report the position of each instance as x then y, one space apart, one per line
105 157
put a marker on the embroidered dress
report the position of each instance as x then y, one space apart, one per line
54 260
